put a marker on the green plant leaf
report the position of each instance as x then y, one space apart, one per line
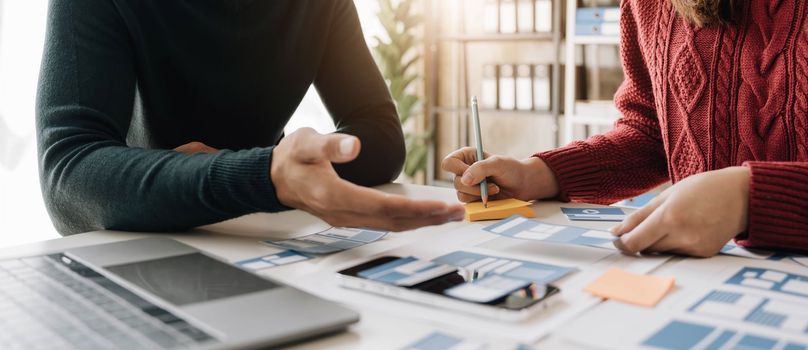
406 105
396 55
416 160
406 65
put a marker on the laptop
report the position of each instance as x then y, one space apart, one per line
152 293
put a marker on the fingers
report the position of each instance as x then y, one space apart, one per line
311 146
468 198
458 161
474 190
368 201
360 206
646 234
665 244
637 217
196 147
481 170
386 224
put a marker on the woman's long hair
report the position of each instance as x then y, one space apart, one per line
706 12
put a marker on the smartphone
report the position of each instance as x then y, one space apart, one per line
446 291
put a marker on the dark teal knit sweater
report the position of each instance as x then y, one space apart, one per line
123 82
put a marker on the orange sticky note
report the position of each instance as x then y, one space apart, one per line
630 287
498 209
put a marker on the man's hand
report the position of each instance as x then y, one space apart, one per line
697 216
508 177
304 179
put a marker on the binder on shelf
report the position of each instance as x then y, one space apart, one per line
507 16
543 16
524 88
604 109
507 87
524 19
491 16
597 14
488 89
541 87
598 29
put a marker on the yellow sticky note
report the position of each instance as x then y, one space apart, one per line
498 209
631 288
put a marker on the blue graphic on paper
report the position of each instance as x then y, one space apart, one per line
684 335
773 280
406 271
731 248
753 309
594 214
331 240
679 336
440 341
283 258
518 269
519 227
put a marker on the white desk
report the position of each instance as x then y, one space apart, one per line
385 324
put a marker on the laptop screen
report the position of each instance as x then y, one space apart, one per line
190 278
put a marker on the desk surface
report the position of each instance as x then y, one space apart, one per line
387 323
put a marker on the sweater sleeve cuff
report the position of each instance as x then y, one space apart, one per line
572 167
240 182
778 206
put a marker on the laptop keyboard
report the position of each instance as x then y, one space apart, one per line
54 302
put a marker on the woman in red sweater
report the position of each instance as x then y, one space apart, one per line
715 100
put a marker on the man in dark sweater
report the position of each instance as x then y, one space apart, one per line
158 115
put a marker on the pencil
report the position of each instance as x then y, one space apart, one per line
475 115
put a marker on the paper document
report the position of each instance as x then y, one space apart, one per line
594 214
753 309
272 260
486 289
406 272
441 341
772 280
719 303
512 268
681 334
643 290
498 209
522 228
735 250
656 329
331 240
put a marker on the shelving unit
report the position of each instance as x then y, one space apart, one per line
595 39
452 61
498 37
571 117
434 42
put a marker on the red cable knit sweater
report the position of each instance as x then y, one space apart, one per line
697 100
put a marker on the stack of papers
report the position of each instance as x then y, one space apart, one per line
631 288
330 241
498 209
